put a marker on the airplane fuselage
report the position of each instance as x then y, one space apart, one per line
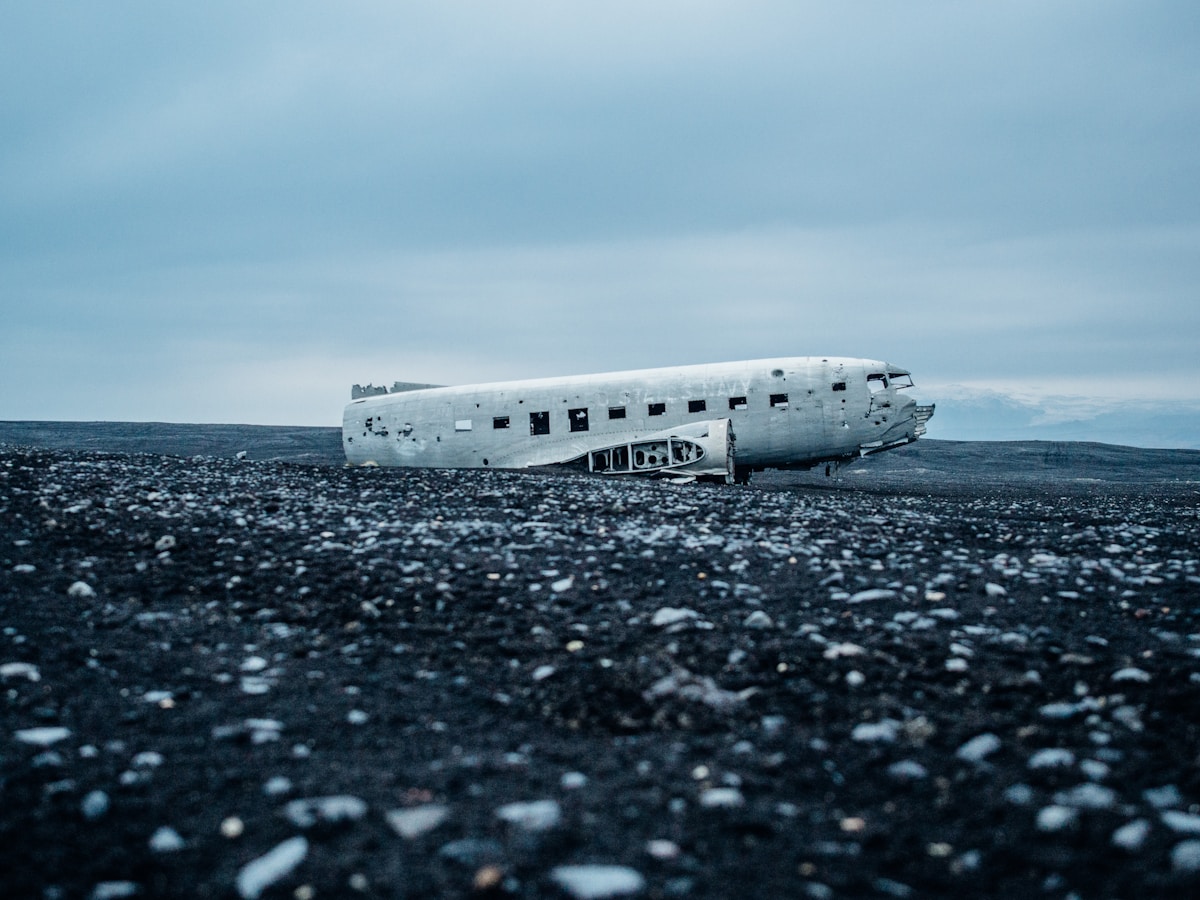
791 412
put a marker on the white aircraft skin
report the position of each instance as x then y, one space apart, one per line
717 420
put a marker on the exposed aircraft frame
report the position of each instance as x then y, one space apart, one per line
719 421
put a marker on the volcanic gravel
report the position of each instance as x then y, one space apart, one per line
230 678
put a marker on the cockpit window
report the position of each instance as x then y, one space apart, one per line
876 382
900 380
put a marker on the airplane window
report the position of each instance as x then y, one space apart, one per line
900 381
657 409
876 382
500 422
539 422
737 403
697 405
839 385
578 419
780 400
616 412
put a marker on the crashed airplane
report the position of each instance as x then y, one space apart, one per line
716 422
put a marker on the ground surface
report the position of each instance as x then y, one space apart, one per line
237 678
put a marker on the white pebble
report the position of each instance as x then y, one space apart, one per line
572 780
20 670
166 840
357 717
670 615
43 737
596 882
1185 857
722 798
94 805
1163 797
114 890
1139 676
1181 822
978 748
81 590
883 732
278 785
536 815
907 770
662 849
1087 796
994 590
1051 758
758 619
1056 818
419 820
873 594
541 673
259 874
337 808
1132 835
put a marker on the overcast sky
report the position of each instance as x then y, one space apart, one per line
230 212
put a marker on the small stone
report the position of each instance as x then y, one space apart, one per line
1132 835
978 748
883 732
43 737
259 874
536 815
670 615
24 670
81 590
994 590
572 780
357 717
1051 758
662 849
722 798
1056 818
307 812
166 542
874 594
1131 674
166 840
1181 822
114 890
232 827
596 882
758 619
277 786
419 820
1087 796
1019 794
1185 857
541 673
1163 797
94 805
907 770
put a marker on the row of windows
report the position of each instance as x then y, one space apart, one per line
539 422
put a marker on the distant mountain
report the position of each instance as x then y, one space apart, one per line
965 414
